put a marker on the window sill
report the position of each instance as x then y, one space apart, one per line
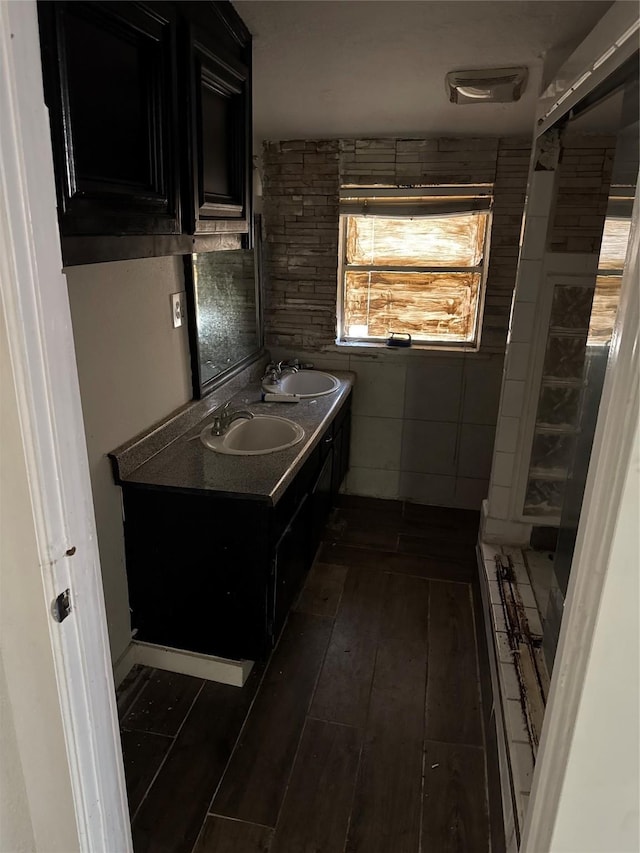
415 350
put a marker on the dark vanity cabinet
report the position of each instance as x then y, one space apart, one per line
217 574
150 116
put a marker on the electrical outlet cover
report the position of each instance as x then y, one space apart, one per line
177 314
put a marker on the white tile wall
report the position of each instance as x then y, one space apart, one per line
427 488
502 471
517 361
499 501
377 442
429 447
433 393
529 280
379 389
372 482
482 381
522 322
429 418
541 193
535 238
513 396
507 434
475 451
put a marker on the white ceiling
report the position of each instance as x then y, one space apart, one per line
345 68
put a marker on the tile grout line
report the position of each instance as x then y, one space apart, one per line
424 726
147 732
482 721
363 741
238 738
255 696
475 746
238 820
309 704
168 753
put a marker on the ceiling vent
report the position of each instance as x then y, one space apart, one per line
486 86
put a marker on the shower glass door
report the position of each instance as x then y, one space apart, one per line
618 113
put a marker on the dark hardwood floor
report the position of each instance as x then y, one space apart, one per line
364 733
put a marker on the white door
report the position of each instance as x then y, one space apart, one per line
61 780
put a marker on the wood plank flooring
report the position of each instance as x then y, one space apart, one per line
365 732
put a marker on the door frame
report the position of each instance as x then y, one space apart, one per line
40 340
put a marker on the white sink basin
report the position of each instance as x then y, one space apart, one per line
305 383
261 434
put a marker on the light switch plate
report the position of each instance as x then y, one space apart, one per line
177 309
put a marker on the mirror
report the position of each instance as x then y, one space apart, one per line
225 329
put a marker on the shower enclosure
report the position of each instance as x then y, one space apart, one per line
578 343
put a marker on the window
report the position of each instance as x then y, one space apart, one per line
413 261
610 268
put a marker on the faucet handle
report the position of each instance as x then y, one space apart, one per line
221 409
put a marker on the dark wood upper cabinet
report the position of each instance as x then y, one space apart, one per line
218 56
110 85
150 112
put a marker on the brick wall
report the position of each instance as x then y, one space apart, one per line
583 182
301 184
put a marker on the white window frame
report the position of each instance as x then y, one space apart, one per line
350 206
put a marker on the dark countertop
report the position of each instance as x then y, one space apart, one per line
185 464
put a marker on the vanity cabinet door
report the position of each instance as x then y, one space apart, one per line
218 122
110 86
196 580
320 496
341 448
289 566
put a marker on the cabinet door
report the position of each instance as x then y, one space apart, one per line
289 566
341 448
110 85
219 145
321 498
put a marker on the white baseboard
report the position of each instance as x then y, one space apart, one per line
209 667
124 664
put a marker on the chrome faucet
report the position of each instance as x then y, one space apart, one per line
223 418
288 367
271 374
275 371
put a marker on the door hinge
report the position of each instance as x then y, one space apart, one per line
61 607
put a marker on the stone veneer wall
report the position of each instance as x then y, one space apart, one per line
301 184
424 420
582 198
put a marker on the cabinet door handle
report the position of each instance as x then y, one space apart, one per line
328 439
